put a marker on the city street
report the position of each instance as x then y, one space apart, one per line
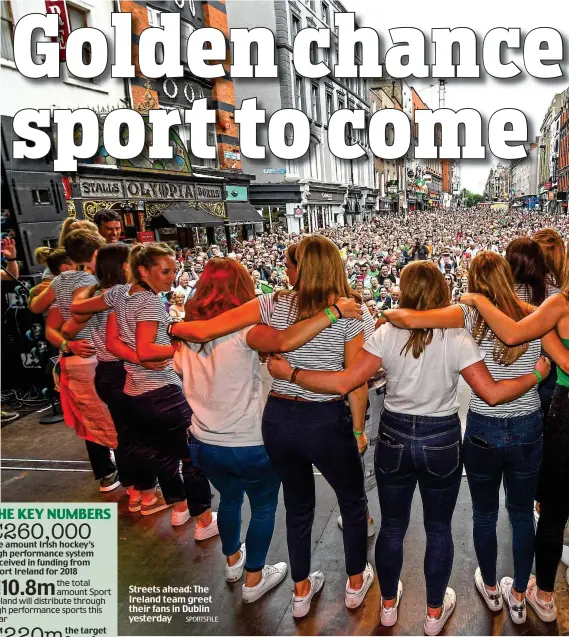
49 464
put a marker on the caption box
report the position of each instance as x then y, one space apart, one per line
58 570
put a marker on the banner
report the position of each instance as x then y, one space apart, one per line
60 9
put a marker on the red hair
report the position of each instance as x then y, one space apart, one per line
223 285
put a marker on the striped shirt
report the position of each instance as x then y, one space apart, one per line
64 285
133 309
524 293
98 327
324 352
525 364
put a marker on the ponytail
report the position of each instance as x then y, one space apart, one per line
145 254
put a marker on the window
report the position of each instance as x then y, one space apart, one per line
341 104
325 13
295 26
329 106
154 21
184 132
153 16
315 102
78 20
326 57
314 53
7 31
299 93
186 30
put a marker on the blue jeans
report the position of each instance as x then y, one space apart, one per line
234 471
427 451
510 448
297 436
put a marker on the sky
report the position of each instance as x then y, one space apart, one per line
486 95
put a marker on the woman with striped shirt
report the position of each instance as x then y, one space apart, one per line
552 317
419 434
155 396
302 428
82 408
500 443
137 473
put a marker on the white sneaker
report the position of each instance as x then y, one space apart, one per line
301 605
370 526
272 575
205 532
234 573
493 599
518 611
546 611
434 626
565 555
179 518
354 597
388 616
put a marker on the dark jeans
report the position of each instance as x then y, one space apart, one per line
546 389
508 448
298 435
100 459
554 491
427 451
134 467
234 471
163 417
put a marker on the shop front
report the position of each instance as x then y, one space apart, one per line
369 203
323 205
186 212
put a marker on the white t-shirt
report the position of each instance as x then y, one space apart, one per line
222 384
424 386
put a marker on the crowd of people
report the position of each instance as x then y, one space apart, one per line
160 362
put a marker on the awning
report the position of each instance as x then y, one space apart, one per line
183 215
242 212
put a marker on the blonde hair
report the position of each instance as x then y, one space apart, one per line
53 258
553 249
145 255
490 275
321 276
70 224
423 287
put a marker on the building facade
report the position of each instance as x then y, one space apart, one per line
317 190
498 184
523 179
184 200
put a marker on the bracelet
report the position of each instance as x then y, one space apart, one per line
537 375
169 329
64 346
294 375
10 259
330 315
358 433
340 315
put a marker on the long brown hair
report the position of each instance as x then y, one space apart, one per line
423 287
321 277
553 249
223 285
490 275
528 267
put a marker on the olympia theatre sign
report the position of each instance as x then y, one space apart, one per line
142 189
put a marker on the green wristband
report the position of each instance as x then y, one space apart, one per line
538 376
330 315
358 433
